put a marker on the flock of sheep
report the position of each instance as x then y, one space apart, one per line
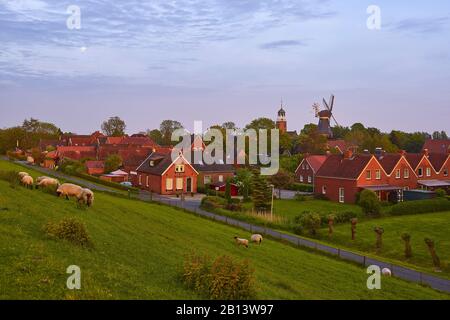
83 195
256 238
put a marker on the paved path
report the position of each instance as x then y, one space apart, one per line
193 205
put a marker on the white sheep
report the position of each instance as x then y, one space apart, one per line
27 181
257 238
47 183
386 272
71 190
38 180
241 242
22 174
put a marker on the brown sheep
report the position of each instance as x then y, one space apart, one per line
27 181
85 196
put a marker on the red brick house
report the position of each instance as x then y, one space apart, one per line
95 167
341 177
437 146
221 187
432 170
399 171
159 174
308 167
77 152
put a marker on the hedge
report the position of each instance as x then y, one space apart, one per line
105 183
301 187
420 206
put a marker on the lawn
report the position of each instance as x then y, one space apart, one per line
433 225
138 253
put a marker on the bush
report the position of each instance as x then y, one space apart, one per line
311 222
222 279
300 187
440 193
10 176
212 202
297 229
300 197
68 229
232 206
420 206
369 202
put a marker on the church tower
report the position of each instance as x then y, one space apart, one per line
281 120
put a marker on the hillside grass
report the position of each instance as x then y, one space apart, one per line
138 252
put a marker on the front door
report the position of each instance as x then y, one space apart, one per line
189 185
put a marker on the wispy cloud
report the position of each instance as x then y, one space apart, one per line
421 25
283 44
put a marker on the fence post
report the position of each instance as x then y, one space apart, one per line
339 252
364 261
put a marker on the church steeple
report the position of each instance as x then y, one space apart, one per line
281 120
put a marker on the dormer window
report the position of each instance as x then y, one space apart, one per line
179 168
152 163
420 172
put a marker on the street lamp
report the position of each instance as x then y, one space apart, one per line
271 207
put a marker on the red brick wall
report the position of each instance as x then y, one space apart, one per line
304 173
214 177
441 175
403 182
424 164
333 185
373 166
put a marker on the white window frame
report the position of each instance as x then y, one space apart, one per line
140 180
179 168
341 195
406 173
301 178
368 174
420 172
207 180
309 179
324 189
179 182
445 172
221 178
378 174
398 174
146 180
169 186
428 172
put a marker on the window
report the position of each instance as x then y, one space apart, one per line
428 172
341 195
379 195
398 174
179 183
306 166
446 172
179 168
309 179
324 189
220 178
378 174
152 163
400 195
146 181
140 180
301 178
420 172
406 174
368 175
169 184
207 180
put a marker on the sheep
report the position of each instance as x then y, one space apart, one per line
38 180
27 181
241 242
71 190
88 197
22 174
386 272
47 183
257 238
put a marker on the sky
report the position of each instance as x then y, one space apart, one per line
225 60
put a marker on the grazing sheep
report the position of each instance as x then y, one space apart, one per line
27 181
47 183
87 197
241 242
22 174
386 272
257 238
71 190
30 160
38 180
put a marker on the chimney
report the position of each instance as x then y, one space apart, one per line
366 151
402 152
378 152
425 152
328 153
348 154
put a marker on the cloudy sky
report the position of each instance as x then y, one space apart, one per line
224 60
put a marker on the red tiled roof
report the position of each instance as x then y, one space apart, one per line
438 160
388 161
114 140
316 162
95 164
336 166
414 159
437 146
77 152
341 144
142 141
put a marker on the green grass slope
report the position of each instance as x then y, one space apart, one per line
139 250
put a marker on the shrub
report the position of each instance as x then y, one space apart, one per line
298 229
321 197
68 229
10 176
370 203
232 206
440 193
212 202
300 187
311 222
420 206
222 279
300 197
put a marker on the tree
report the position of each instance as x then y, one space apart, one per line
228 191
354 223
281 180
379 234
114 127
340 132
229 125
166 128
331 219
261 123
261 193
370 203
113 163
311 141
155 135
432 249
408 250
311 222
244 179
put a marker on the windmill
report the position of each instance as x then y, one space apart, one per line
325 116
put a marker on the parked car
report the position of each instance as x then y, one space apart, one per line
126 184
